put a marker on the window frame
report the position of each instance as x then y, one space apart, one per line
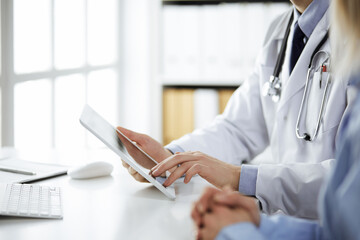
8 77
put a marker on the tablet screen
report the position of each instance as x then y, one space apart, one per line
137 154
140 156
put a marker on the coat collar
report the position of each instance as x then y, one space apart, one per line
279 32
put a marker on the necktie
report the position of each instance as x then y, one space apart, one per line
298 45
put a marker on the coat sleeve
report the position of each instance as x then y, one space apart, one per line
275 227
291 188
239 133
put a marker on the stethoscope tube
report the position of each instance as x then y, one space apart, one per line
281 58
321 43
307 136
273 87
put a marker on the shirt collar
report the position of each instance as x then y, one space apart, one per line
308 20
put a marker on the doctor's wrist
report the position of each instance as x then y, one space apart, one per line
169 151
236 178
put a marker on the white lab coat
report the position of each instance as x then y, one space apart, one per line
252 122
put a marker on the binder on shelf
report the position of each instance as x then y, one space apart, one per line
255 15
171 57
190 42
178 113
210 47
232 40
206 106
181 42
224 96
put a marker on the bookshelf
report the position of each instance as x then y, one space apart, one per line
208 48
213 2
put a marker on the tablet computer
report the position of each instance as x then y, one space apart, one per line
104 131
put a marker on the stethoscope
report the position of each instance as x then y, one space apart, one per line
273 87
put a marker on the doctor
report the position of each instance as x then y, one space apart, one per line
265 112
233 216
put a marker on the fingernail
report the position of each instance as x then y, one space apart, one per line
165 184
154 173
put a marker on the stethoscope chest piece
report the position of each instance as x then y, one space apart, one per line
272 88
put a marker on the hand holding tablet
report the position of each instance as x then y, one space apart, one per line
150 148
125 148
151 151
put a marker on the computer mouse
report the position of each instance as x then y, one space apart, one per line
91 170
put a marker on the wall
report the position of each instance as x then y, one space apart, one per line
140 106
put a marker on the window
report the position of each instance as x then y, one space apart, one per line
59 55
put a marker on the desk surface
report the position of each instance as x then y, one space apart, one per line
113 207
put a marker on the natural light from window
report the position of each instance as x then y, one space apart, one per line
32 36
69 34
33 113
65 55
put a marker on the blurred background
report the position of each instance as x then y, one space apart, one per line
162 68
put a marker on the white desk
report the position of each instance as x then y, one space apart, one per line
114 207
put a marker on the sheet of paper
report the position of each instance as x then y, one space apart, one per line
42 170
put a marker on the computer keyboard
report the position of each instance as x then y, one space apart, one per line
28 200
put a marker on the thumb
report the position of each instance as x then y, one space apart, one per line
232 200
236 200
133 136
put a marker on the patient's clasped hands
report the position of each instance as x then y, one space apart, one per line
217 209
